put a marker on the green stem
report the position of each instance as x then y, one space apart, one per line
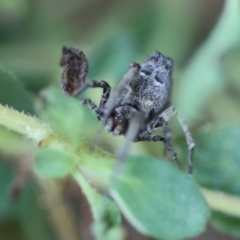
98 174
92 196
28 126
102 211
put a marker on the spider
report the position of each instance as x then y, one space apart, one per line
143 96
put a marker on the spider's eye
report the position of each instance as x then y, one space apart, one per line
167 67
159 78
146 71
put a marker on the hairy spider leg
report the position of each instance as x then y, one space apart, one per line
131 134
145 135
115 98
104 98
132 72
166 115
190 143
162 122
91 105
167 135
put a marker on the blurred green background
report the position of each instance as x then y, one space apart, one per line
112 34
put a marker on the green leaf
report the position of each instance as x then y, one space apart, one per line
63 113
217 155
53 163
226 223
13 93
159 200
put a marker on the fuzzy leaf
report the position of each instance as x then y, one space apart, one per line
63 113
217 166
159 200
53 163
217 155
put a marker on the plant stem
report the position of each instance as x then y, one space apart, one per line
28 126
40 132
98 172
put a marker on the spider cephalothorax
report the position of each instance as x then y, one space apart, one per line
144 90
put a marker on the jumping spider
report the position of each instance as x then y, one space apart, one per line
145 89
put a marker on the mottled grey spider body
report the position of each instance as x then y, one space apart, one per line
145 92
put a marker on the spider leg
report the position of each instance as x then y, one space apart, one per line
168 136
160 122
148 137
131 74
190 143
98 84
166 115
130 136
91 105
105 96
